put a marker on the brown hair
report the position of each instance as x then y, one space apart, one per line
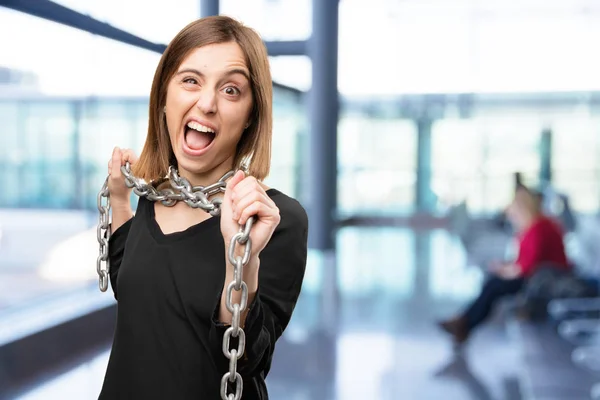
254 147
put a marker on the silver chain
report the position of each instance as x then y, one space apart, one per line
195 197
103 233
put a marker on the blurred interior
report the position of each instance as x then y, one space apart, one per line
441 104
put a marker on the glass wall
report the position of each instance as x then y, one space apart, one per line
576 159
475 159
377 165
54 149
54 152
478 143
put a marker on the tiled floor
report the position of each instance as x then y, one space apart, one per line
376 339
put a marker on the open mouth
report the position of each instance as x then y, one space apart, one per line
197 137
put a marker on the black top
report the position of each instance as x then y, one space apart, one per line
168 341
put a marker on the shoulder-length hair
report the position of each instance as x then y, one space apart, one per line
253 151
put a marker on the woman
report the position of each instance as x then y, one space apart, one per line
540 243
210 112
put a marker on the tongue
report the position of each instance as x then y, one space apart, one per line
197 140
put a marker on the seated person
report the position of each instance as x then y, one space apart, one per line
540 243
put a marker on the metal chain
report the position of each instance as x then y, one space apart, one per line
195 197
103 233
236 309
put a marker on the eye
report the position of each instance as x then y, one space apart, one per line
231 91
190 81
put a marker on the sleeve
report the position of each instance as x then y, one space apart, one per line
282 268
530 252
116 248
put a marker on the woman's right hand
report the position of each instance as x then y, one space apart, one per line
119 192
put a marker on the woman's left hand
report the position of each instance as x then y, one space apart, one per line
244 198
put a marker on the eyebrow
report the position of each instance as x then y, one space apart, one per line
234 71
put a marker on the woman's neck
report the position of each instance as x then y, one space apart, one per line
205 178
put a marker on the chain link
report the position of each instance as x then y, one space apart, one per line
103 233
236 309
195 197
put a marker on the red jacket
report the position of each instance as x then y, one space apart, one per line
541 243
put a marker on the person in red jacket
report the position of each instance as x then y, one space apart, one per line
540 243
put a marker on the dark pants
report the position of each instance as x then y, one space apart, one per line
494 289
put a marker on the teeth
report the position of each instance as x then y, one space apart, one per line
199 127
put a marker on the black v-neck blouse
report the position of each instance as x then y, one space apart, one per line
168 341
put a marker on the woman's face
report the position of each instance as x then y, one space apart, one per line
209 100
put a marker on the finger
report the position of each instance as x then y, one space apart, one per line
124 156
247 185
129 155
232 183
243 202
227 203
116 163
260 210
125 159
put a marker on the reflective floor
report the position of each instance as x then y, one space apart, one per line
376 338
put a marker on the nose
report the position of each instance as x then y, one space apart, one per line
207 101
